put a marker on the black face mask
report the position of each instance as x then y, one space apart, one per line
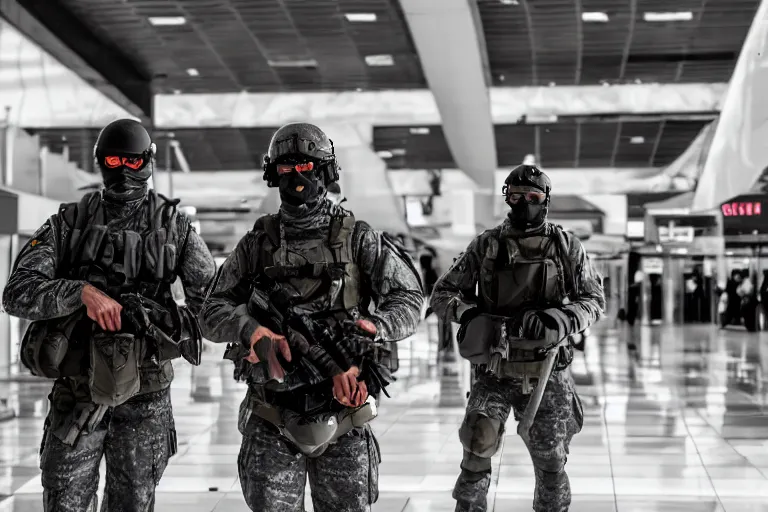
525 216
126 184
312 191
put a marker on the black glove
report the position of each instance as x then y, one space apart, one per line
536 323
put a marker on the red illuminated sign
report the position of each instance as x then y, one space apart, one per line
742 209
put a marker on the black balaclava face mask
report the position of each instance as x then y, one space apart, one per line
125 184
301 188
525 216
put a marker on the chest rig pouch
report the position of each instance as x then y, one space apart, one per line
317 267
518 275
118 262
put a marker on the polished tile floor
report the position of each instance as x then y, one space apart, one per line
676 420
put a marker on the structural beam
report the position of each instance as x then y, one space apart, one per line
418 107
738 155
454 69
62 35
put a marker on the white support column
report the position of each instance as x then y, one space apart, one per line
454 68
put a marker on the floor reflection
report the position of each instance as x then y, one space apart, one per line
675 420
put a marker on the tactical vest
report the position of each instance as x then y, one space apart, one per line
115 261
120 260
525 273
332 263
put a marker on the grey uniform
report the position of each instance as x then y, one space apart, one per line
137 437
495 394
272 471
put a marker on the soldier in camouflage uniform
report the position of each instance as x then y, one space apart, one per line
123 244
311 260
537 288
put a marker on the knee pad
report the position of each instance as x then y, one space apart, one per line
481 435
553 465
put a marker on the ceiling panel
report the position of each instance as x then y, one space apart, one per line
265 46
557 145
633 153
625 49
675 138
596 143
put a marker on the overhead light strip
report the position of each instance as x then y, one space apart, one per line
301 63
379 60
361 17
167 21
652 17
594 17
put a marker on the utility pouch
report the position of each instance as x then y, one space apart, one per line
91 243
45 348
132 254
169 261
114 372
155 253
477 336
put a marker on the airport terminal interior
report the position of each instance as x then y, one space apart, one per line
647 116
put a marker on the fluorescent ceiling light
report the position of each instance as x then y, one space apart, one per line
167 21
193 72
668 16
594 17
637 140
361 17
386 155
379 60
301 63
510 2
397 152
420 131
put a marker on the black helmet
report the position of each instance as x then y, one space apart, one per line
527 176
124 137
301 140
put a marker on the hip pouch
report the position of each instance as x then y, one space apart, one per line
47 350
114 372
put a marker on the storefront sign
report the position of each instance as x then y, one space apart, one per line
676 234
653 265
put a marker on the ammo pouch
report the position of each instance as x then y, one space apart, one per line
114 373
45 348
476 337
312 435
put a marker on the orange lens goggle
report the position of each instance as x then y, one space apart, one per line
289 168
529 197
134 163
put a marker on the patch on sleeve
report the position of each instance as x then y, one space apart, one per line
34 242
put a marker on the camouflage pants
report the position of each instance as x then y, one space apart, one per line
558 419
137 438
345 478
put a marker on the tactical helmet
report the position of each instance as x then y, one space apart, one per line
301 140
124 137
527 176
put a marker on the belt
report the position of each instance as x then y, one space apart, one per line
312 436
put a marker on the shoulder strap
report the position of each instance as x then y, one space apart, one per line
564 249
269 224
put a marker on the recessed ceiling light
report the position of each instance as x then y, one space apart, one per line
637 140
386 155
301 63
397 152
594 17
167 21
193 72
420 131
379 60
668 16
361 17
177 91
